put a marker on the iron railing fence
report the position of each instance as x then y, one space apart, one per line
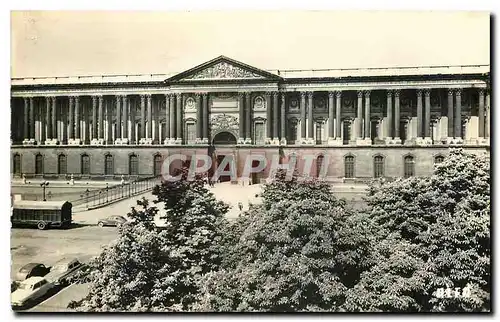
99 197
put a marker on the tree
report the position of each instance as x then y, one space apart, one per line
297 251
438 237
146 269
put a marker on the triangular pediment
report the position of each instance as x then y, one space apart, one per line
223 68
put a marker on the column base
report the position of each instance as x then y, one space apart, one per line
241 141
97 142
363 142
121 141
335 142
308 141
146 141
178 141
169 141
472 141
74 142
393 141
483 141
29 142
411 141
275 141
51 142
454 141
283 142
248 141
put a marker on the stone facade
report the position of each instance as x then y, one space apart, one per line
105 128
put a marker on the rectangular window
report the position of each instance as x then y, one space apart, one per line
319 132
190 132
292 132
347 132
259 133
85 164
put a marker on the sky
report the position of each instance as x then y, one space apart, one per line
71 43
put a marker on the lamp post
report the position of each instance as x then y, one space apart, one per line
44 185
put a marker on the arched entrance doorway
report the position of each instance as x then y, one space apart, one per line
224 138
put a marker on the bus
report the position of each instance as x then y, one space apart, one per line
42 214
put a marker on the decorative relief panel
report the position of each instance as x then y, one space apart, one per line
320 102
190 104
347 102
223 70
223 122
259 102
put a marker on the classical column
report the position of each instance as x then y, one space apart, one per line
419 113
451 128
488 120
275 116
26 111
310 116
397 118
481 113
338 115
248 128
283 118
48 133
179 117
389 123
71 122
109 116
172 116
118 133
94 117
359 115
142 135
458 113
269 130
427 124
32 118
53 134
331 115
205 117
241 116
86 121
149 133
101 117
303 115
367 115
157 121
77 117
199 117
166 135
132 106
125 116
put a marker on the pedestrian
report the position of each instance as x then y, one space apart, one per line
240 206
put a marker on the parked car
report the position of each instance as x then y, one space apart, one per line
112 221
29 290
30 270
62 270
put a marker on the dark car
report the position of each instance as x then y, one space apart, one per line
30 270
112 221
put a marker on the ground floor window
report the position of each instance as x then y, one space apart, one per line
108 165
62 164
85 164
38 164
409 166
133 169
378 166
158 162
16 164
349 166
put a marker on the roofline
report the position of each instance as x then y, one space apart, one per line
169 75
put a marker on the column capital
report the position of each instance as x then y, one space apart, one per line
310 94
48 99
204 94
458 91
275 93
427 92
241 95
283 96
360 93
302 95
331 94
481 91
450 91
367 93
419 92
338 94
397 92
268 93
148 95
389 92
